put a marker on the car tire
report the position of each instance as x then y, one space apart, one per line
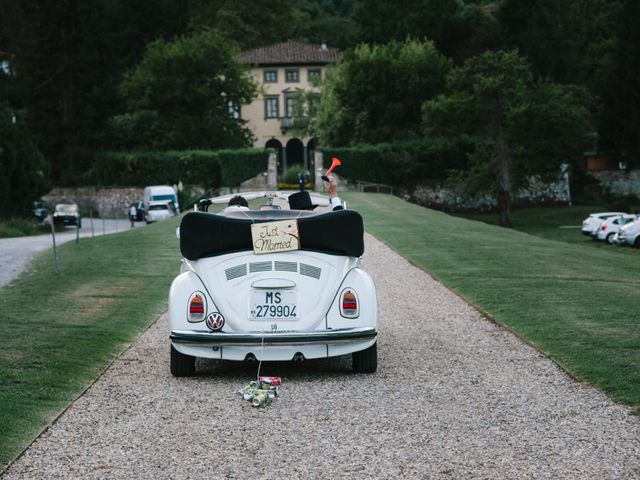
182 365
365 361
610 238
636 244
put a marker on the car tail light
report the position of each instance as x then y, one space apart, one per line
604 227
349 307
197 307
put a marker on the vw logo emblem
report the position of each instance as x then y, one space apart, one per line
215 321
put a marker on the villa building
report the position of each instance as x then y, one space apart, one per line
282 71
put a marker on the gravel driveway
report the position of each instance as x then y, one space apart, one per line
454 397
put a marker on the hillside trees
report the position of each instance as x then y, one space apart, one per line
181 93
619 124
519 126
246 22
374 94
24 170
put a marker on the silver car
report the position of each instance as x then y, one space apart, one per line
159 211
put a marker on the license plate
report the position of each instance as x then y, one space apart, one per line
273 305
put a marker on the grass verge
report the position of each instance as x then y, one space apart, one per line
20 227
555 223
58 331
578 304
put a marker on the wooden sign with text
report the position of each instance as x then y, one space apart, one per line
273 237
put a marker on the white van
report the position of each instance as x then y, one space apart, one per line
163 193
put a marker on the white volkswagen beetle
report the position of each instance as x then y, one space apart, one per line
272 285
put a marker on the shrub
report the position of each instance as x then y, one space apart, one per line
207 168
400 164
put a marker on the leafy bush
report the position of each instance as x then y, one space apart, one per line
400 164
290 175
208 168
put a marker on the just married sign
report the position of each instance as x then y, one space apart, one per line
272 237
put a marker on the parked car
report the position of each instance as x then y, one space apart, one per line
67 214
611 225
234 301
39 211
629 234
158 211
594 220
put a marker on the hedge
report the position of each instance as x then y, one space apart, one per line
207 168
400 164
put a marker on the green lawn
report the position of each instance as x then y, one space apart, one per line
20 227
58 331
555 223
577 303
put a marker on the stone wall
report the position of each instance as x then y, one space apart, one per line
105 202
619 182
443 197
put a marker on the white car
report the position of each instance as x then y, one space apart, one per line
245 294
591 224
611 225
158 211
629 234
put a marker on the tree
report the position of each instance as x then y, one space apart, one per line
24 170
69 57
519 127
381 21
326 21
620 118
246 22
182 95
374 94
458 27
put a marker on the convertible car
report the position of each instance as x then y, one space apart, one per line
272 285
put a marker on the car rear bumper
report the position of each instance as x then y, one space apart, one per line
315 337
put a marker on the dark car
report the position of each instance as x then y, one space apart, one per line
67 214
39 211
140 211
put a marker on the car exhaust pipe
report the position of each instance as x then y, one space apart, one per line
298 357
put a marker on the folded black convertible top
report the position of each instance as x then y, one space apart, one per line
206 235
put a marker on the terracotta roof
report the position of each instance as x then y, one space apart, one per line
291 53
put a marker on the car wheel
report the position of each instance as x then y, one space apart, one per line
610 238
365 361
182 365
636 244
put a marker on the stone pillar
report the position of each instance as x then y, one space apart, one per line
318 169
272 170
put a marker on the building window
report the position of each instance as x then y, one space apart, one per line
270 76
271 107
234 110
289 106
313 74
292 76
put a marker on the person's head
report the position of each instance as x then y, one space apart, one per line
239 200
301 201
